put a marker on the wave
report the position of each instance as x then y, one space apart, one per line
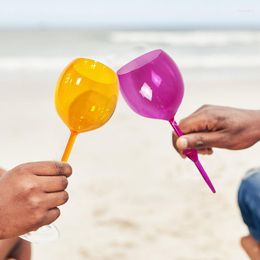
192 61
190 38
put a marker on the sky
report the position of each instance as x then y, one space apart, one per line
129 13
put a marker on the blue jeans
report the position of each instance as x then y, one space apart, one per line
249 201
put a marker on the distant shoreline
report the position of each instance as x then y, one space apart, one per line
125 28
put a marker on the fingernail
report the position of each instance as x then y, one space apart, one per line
182 143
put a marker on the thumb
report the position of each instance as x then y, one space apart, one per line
198 141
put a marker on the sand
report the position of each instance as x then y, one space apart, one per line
131 196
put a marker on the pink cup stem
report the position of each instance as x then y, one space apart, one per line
192 154
205 176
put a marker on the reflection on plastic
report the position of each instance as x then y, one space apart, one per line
44 234
152 86
85 97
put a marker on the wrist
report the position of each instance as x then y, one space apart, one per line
256 124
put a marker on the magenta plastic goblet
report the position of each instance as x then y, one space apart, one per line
152 86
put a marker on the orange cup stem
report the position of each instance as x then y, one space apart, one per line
69 146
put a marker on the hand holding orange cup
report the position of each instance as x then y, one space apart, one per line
85 98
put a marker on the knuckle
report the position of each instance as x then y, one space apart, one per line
227 140
205 106
184 125
57 213
36 218
200 142
34 203
68 169
62 168
64 182
23 169
57 167
20 168
206 115
220 117
182 122
29 186
37 213
205 111
65 196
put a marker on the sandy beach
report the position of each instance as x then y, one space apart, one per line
131 196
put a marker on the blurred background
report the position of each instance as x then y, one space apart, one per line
131 195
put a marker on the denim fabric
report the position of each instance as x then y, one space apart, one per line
249 201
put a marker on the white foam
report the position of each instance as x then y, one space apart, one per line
192 61
192 38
